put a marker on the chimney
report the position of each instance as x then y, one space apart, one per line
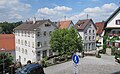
28 19
58 24
34 20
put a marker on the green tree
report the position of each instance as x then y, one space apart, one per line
8 60
7 28
65 41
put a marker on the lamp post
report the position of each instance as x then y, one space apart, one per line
3 62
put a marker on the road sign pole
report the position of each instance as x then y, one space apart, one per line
75 59
75 68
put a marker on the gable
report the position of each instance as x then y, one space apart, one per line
90 26
112 22
70 25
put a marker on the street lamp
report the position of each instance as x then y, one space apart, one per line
3 61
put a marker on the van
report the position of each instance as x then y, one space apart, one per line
31 69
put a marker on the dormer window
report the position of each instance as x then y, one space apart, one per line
79 25
117 22
47 25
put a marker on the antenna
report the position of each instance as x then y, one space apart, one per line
87 16
119 4
65 18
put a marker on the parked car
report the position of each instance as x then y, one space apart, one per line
31 69
117 56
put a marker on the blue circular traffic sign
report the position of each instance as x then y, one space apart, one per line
75 59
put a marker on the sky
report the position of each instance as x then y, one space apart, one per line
56 10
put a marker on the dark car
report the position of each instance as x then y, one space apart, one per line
31 69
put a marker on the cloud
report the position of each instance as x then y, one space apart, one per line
62 8
12 9
96 13
52 13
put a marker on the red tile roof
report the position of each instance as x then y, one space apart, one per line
7 41
100 27
64 24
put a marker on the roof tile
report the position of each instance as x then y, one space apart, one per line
7 41
100 27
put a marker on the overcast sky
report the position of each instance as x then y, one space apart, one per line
56 10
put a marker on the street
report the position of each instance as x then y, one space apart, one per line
87 65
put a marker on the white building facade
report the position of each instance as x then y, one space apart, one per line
32 40
87 30
112 26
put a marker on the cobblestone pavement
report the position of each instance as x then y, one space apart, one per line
88 65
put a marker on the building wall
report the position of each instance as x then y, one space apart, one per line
34 52
114 30
70 25
21 46
44 40
89 38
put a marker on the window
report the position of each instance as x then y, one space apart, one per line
89 38
85 31
19 49
25 51
93 37
117 22
38 53
89 45
38 44
18 41
119 33
44 53
50 53
47 25
22 42
38 33
21 33
25 43
22 50
33 44
93 31
25 33
110 43
116 44
29 43
50 32
45 43
28 34
89 31
85 37
113 32
44 33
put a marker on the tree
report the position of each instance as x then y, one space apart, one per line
8 60
7 28
65 41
